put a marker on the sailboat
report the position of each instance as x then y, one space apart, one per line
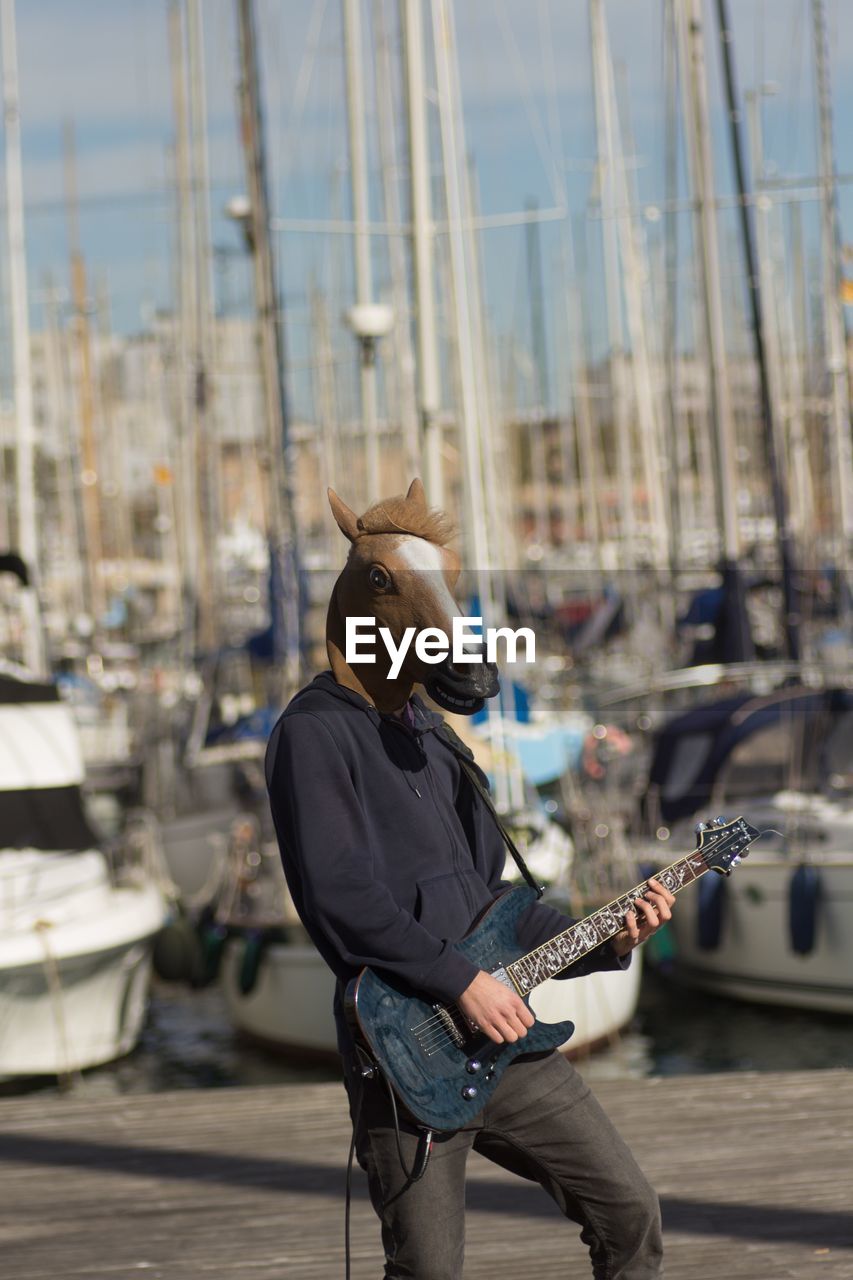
783 754
77 924
76 929
276 986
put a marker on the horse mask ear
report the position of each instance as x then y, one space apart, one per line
347 520
416 494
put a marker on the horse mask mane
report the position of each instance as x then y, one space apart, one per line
401 571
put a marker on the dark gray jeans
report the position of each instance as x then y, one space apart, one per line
542 1123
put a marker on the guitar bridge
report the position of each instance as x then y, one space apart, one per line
450 1025
439 1031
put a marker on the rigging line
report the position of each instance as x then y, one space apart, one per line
301 90
798 54
540 136
546 43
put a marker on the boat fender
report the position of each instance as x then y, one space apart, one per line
258 941
213 937
176 955
804 894
710 911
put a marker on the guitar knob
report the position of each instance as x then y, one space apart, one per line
473 1065
469 1092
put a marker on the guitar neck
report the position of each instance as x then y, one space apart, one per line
585 935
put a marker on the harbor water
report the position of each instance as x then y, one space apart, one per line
188 1043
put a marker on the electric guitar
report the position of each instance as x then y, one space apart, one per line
439 1066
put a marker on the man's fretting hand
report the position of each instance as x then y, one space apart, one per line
655 910
495 1010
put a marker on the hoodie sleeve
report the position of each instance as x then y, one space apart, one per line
540 922
327 855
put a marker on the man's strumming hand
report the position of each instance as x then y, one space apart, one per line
495 1010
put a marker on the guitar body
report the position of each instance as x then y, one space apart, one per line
443 1071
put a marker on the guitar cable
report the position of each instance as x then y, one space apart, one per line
368 1070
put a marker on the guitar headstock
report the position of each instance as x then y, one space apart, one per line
723 844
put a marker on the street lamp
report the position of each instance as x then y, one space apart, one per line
370 321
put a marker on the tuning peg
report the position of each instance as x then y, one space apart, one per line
736 860
719 821
700 827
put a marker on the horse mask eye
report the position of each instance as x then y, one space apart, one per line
378 578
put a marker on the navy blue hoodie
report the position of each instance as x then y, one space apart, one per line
388 851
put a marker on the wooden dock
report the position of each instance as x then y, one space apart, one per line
755 1173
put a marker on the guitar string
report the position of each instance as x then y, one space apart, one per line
440 1042
435 1037
433 1032
438 1017
437 1021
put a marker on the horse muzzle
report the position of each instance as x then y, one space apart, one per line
463 687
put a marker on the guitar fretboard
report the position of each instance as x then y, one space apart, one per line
585 935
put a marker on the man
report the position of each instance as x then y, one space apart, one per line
390 853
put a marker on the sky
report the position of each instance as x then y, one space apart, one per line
525 74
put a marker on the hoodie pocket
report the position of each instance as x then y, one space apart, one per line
447 905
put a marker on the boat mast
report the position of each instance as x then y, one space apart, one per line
90 475
114 491
539 409
475 500
833 318
281 460
403 362
25 439
793 362
691 40
674 448
590 479
206 459
635 272
362 248
67 461
605 147
771 429
479 547
429 379
189 533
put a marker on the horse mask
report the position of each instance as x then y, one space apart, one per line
401 571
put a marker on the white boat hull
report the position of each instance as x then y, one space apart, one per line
93 1015
290 1006
754 959
75 946
75 963
599 1004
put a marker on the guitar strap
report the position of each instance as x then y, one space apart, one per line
465 756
